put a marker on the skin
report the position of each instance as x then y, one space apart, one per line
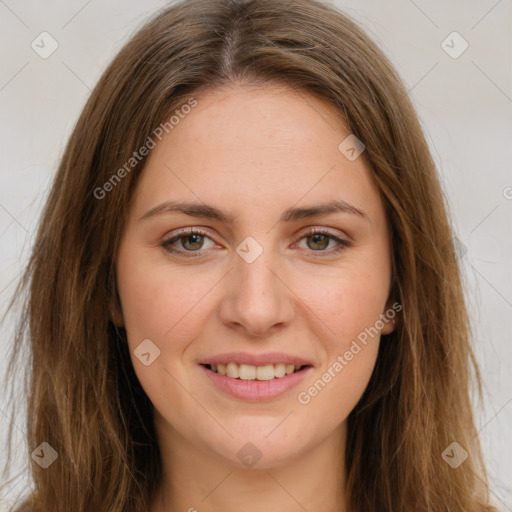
254 151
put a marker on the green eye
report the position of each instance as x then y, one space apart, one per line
317 240
193 240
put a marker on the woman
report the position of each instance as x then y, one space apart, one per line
244 292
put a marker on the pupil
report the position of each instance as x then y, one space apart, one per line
193 236
316 240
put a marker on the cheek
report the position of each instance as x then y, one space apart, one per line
333 394
350 307
159 301
347 302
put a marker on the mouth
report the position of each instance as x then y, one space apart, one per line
242 371
255 377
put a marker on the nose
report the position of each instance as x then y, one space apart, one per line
257 300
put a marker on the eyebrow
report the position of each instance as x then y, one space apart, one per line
207 211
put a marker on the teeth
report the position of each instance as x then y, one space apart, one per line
232 370
250 372
266 372
280 370
247 371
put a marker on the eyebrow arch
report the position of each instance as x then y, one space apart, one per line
204 210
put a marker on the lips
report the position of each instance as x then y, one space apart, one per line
255 377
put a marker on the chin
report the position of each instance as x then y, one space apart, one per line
260 448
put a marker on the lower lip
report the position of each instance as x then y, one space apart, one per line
256 390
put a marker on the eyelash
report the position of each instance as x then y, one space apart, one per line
197 254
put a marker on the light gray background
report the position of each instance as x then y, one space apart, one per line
465 105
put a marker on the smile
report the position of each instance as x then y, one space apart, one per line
250 372
255 383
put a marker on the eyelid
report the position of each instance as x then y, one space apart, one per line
176 235
343 241
335 233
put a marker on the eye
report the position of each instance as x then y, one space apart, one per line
317 240
192 241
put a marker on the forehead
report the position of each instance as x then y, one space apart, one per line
254 147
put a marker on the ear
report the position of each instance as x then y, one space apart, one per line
391 317
389 326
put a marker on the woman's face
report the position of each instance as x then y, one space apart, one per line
252 286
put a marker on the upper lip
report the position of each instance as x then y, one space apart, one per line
256 359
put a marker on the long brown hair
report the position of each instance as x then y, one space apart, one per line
83 397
